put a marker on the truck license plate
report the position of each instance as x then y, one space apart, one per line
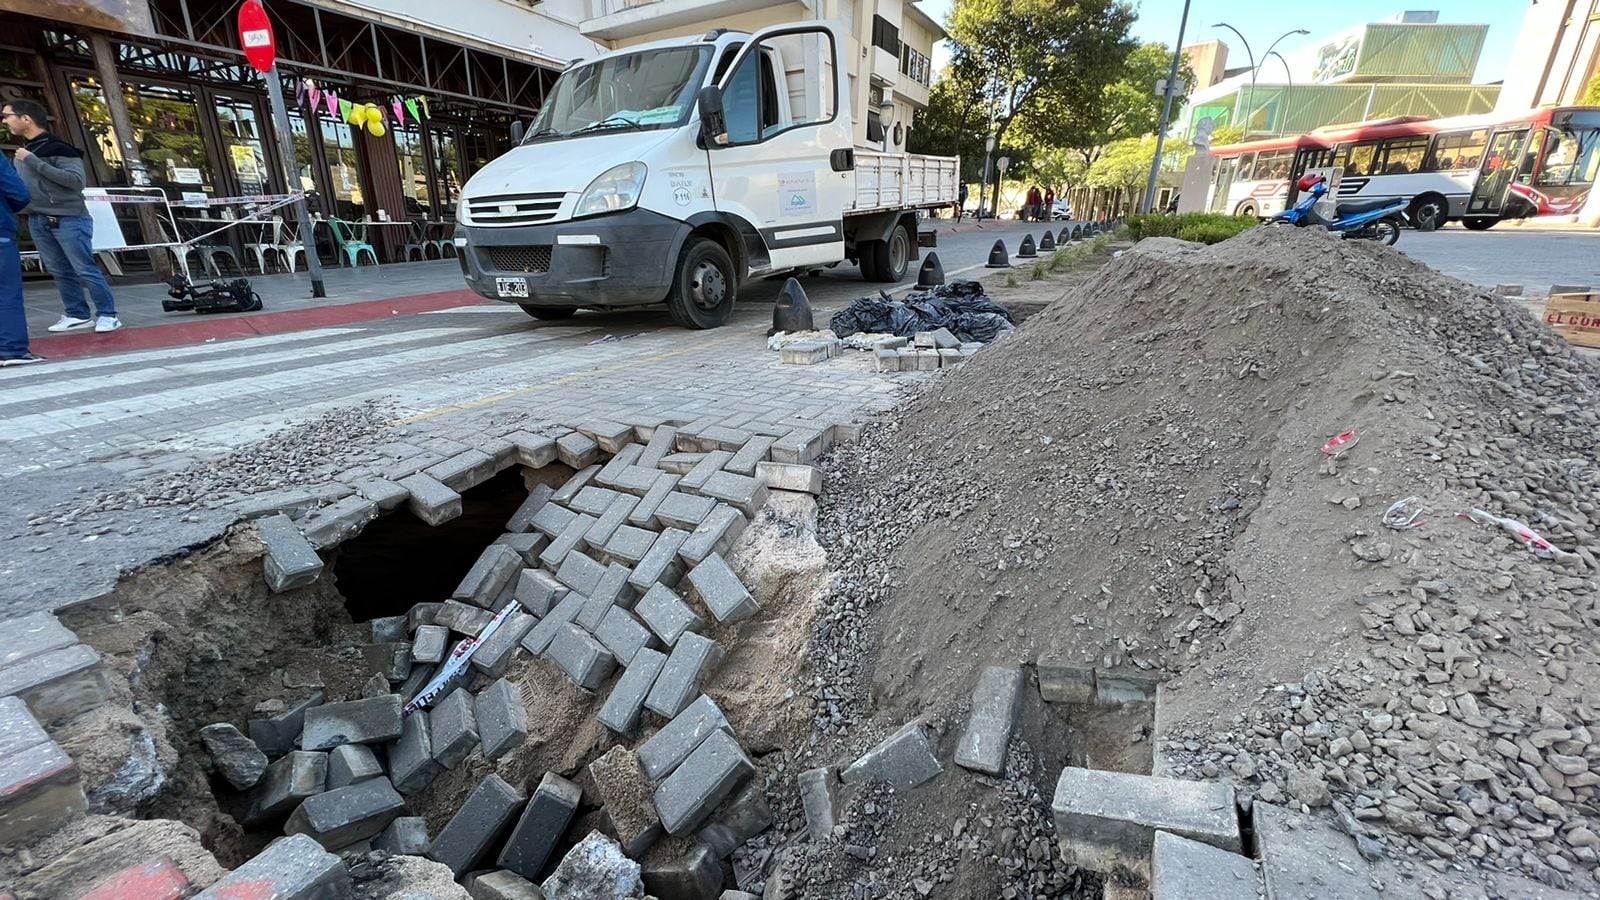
511 287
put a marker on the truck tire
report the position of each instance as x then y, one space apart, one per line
704 286
888 260
548 313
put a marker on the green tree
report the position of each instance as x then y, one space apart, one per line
1124 164
1127 107
955 121
1021 49
1591 97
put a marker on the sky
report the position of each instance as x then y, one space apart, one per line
1263 20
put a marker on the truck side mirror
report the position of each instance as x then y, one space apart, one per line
517 131
713 125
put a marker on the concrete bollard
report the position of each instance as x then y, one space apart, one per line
932 272
998 258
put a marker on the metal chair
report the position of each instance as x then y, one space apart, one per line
446 241
351 243
416 247
267 243
289 243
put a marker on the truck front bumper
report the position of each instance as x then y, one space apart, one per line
625 259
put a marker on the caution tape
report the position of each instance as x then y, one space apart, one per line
256 200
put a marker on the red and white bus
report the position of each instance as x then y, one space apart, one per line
1475 169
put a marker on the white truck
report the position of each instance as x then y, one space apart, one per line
676 171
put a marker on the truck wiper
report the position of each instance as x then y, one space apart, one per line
609 122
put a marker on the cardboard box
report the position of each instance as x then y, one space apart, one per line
1575 317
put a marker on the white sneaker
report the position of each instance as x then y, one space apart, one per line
107 323
24 359
69 323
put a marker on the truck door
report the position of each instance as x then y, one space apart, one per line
786 114
1496 174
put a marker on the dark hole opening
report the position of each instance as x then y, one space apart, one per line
399 561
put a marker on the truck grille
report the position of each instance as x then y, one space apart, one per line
520 259
513 209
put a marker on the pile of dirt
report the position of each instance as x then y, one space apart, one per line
1136 478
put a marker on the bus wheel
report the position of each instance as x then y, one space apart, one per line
1479 224
1427 212
1245 209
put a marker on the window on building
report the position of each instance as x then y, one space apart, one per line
885 35
241 136
413 170
1456 151
914 65
339 146
446 165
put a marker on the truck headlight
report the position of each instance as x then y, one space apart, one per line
616 189
461 210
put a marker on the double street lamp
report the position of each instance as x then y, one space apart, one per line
1255 67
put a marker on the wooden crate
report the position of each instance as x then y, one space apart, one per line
1575 317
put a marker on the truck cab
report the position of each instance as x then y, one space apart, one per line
676 171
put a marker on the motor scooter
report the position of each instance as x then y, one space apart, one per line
1369 220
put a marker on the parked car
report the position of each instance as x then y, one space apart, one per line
1062 210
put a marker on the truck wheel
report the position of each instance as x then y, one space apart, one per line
887 260
704 287
548 313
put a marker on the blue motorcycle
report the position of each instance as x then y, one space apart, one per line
1370 220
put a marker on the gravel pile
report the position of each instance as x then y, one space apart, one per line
1136 478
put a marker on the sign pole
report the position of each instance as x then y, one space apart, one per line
308 237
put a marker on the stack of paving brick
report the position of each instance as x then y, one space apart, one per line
46 678
810 352
927 351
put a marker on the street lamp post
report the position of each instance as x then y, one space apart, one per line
1166 112
1249 98
1288 94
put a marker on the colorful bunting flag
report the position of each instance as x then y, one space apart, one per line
411 106
344 109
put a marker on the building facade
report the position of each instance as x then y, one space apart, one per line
1557 55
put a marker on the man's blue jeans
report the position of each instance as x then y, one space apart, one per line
13 319
68 254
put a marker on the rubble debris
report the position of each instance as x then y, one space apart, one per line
996 699
595 869
295 868
236 757
904 760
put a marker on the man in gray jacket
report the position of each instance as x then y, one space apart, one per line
58 220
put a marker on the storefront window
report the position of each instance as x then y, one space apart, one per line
413 170
305 167
448 164
166 130
339 145
241 134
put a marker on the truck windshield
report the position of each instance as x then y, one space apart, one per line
645 90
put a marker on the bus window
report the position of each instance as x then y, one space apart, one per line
1273 166
1572 157
1456 151
1357 158
1247 167
1403 156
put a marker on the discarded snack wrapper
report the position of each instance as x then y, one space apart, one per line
1535 542
1404 514
459 657
1340 443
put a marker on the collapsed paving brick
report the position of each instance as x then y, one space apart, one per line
298 775
710 774
538 591
574 485
352 764
552 519
801 445
330 525
295 868
522 519
629 544
790 477
235 756
740 819
465 470
694 875
996 701
614 517
680 463
431 501
904 760
747 458
585 660
623 635
620 712
343 816
502 719
577 450
1181 869
660 564
611 590
667 615
405 836
391 661
693 659
685 511
639 481
489 575
611 436
721 437
670 746
1109 819
389 629
644 513
567 541
503 885
595 868
1063 681
534 451
619 463
453 729
411 764
463 618
527 546
1113 688
477 825
742 492
545 819
539 637
276 735
709 464
721 591
580 573
715 535
819 796
40 787
625 799
291 562
157 878
430 644
34 634
422 614
368 721
494 655
1303 856
593 500
662 443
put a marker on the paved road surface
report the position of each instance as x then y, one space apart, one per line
1506 255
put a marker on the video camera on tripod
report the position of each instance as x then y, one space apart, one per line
217 297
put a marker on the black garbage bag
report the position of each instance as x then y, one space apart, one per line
960 306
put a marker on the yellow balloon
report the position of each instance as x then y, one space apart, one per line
375 128
358 115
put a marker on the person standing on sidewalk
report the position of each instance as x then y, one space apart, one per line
58 219
13 318
961 202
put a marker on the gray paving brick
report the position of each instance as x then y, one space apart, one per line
579 480
662 443
286 501
291 561
391 660
802 445
739 491
548 813
665 613
298 775
368 721
660 565
721 591
620 712
903 760
614 517
533 450
629 545
692 660
644 514
19 730
625 800
1063 680
1106 819
453 729
494 655
716 534
502 884
327 526
1181 869
57 684
580 573
552 519
431 501
342 816
430 643
696 872
1303 856
623 635
522 519
352 764
611 436
295 868
567 541
527 545
538 591
638 480
614 467
996 701
819 797
577 450
670 746
593 500
40 788
743 817
611 590
489 575
477 826
502 719
709 775
585 660
680 463
32 635
405 836
710 465
790 477
276 735
465 470
411 764
388 629
721 437
539 637
462 618
684 511
422 614
752 452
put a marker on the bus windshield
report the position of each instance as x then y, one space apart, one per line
1571 156
640 91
